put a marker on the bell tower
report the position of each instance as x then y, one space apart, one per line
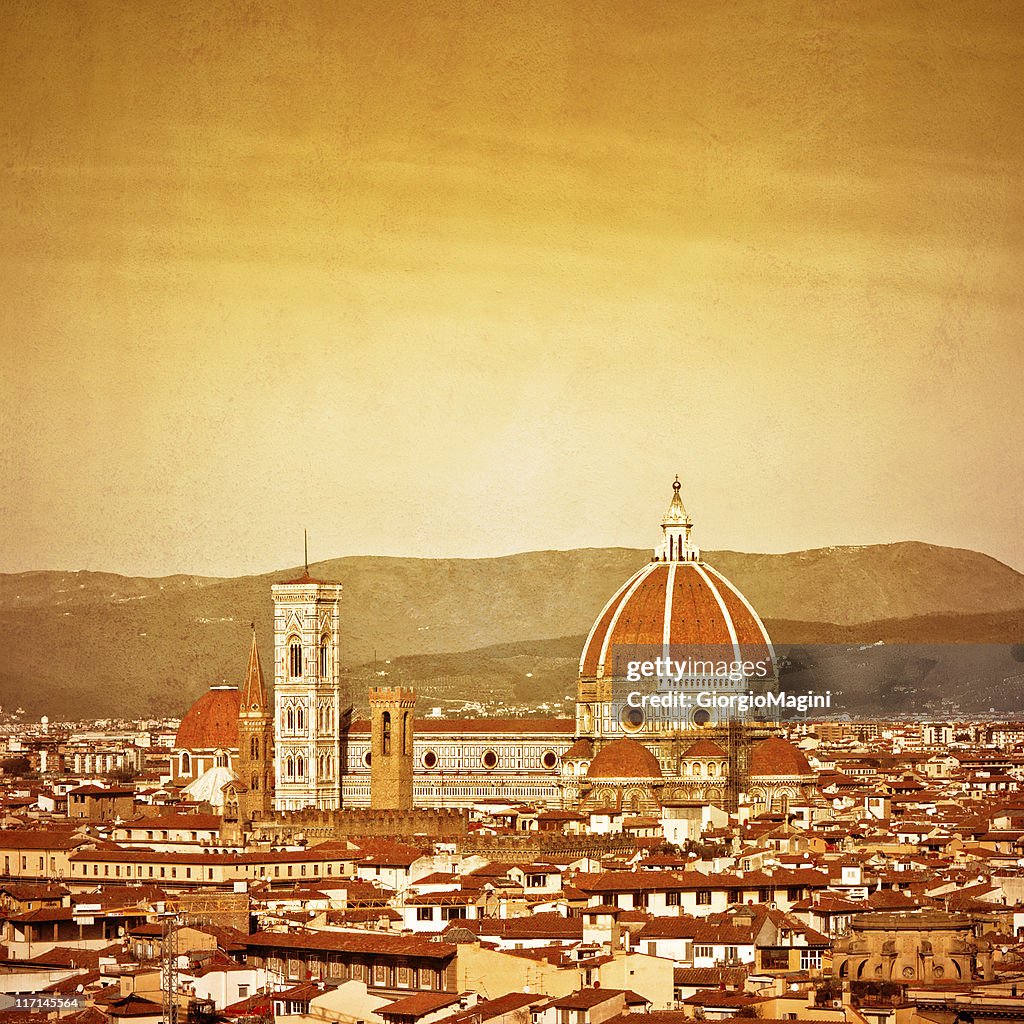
310 711
255 742
391 742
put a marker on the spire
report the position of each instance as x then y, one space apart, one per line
254 692
676 525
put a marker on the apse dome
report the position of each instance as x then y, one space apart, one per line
778 758
624 759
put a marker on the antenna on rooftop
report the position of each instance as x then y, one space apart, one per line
305 549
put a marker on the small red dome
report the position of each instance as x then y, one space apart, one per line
776 756
212 721
624 759
704 748
582 750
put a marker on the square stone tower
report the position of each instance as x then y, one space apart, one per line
391 743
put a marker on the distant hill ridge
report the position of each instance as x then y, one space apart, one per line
100 643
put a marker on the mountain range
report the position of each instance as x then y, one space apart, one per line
93 644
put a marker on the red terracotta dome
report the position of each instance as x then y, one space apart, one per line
212 721
704 748
582 750
676 601
777 757
624 759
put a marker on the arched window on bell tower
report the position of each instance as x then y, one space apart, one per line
385 742
295 658
325 660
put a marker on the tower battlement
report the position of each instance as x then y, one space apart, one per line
319 825
402 696
391 738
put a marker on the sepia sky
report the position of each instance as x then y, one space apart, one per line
474 278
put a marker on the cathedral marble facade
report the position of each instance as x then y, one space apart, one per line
308 752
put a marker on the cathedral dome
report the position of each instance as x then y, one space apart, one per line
212 721
624 759
676 601
775 757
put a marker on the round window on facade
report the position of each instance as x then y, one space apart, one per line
489 759
429 759
367 757
631 719
549 759
701 716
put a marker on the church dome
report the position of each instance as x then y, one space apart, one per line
777 757
581 750
212 721
704 748
624 759
676 600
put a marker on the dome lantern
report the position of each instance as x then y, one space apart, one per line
676 525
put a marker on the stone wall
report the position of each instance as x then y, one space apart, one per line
319 826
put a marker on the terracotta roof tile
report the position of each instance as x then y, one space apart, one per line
351 942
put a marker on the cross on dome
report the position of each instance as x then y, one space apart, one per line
675 527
